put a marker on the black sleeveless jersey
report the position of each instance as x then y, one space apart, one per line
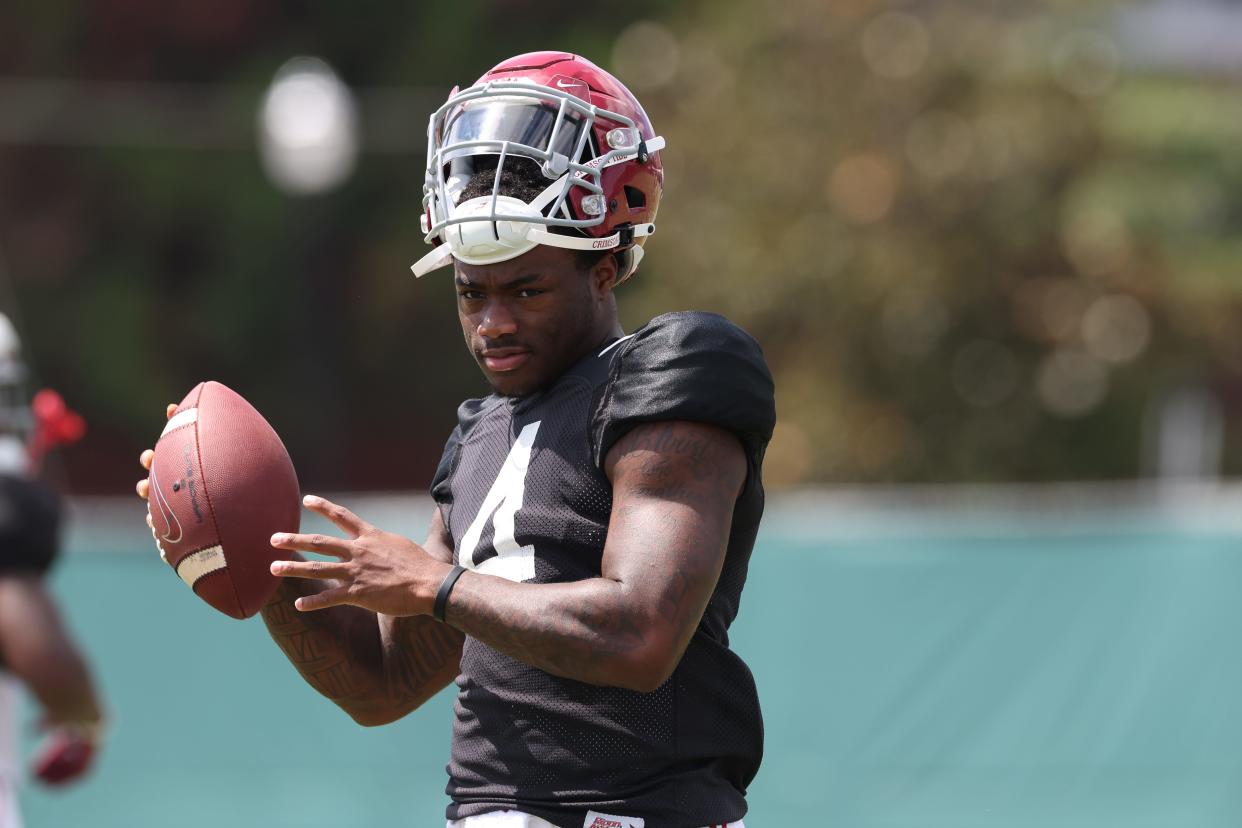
522 493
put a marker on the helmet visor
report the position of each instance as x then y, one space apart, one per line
528 123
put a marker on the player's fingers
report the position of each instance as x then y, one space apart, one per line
323 544
150 522
323 600
342 517
145 459
143 487
170 410
318 570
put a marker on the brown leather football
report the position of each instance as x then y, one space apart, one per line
221 483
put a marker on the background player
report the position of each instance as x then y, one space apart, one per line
597 512
36 650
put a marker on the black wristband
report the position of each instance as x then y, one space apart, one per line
446 586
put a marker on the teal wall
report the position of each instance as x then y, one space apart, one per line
963 670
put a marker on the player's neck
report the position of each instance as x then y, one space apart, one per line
610 331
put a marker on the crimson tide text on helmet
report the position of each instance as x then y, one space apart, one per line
588 135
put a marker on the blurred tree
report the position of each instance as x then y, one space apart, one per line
971 246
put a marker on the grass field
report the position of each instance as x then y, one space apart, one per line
949 665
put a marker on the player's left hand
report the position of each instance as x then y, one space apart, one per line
376 570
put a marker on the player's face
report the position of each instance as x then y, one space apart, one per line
529 319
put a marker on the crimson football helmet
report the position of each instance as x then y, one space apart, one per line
583 129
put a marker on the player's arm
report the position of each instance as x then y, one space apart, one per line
375 667
36 647
674 489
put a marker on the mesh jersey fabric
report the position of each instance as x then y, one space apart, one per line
523 739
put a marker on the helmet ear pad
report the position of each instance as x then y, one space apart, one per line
625 265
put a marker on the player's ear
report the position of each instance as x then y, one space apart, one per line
604 275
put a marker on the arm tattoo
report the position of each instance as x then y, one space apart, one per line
317 647
683 465
347 655
326 650
421 656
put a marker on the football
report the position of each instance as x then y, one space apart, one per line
221 483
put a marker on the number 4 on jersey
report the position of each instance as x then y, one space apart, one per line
517 563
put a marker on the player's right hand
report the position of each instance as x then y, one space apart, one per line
143 486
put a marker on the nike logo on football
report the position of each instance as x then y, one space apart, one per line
171 523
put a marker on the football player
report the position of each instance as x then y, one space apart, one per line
596 513
36 650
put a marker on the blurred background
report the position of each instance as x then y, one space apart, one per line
991 252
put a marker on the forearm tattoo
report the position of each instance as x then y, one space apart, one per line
344 654
324 648
422 655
